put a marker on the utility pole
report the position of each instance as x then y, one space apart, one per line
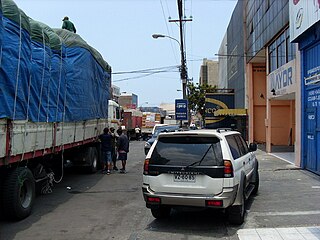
183 70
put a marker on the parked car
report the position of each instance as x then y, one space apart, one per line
200 168
158 129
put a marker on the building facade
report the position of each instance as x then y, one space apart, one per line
305 30
128 100
263 68
209 73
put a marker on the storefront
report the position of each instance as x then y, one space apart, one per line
305 30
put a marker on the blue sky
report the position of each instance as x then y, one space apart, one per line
121 30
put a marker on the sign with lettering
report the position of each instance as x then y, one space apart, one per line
313 99
181 107
303 14
215 102
282 81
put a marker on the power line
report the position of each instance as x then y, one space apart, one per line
146 70
142 76
164 16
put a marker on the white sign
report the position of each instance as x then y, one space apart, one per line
303 14
282 80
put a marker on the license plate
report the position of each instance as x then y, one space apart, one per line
184 177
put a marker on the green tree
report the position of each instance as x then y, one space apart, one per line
196 97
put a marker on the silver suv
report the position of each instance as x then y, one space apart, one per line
200 168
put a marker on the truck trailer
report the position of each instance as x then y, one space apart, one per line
54 92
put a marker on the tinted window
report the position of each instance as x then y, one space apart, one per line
165 129
182 151
242 145
235 151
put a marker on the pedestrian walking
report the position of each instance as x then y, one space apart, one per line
114 148
138 132
123 149
68 25
106 148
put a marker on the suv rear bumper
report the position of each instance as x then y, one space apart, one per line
227 195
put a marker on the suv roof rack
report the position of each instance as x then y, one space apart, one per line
219 130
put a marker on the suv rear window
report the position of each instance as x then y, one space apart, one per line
184 151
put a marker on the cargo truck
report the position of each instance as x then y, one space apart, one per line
149 120
132 118
54 92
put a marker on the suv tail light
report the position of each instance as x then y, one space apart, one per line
228 169
146 167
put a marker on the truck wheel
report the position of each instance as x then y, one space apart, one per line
92 159
18 193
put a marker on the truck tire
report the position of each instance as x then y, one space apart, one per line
92 158
18 193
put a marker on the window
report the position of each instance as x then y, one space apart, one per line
234 148
182 151
242 145
281 51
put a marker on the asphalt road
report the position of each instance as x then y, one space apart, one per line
112 207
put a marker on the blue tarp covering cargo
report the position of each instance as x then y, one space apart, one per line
1 31
87 79
49 75
15 62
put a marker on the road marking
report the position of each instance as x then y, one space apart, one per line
292 233
297 213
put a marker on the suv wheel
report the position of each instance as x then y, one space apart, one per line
236 213
161 212
256 183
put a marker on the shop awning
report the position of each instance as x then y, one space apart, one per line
231 112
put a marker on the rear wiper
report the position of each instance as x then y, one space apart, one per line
200 161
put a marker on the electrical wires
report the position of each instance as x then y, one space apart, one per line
146 72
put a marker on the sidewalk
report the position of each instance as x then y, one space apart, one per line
287 205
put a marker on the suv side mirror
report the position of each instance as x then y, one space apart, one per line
253 147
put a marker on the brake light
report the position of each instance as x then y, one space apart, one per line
146 167
153 200
214 203
228 169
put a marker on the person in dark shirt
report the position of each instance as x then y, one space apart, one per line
123 149
114 148
106 148
68 25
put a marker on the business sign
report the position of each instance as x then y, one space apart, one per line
216 102
282 81
181 107
303 14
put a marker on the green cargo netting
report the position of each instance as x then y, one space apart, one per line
40 31
11 11
74 40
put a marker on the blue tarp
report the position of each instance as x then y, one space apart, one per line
44 80
1 31
87 85
15 71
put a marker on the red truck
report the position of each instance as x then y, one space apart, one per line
131 119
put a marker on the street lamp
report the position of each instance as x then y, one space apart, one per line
183 70
155 36
141 105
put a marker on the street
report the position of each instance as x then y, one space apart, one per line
98 206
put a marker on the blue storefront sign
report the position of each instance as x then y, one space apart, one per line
181 108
